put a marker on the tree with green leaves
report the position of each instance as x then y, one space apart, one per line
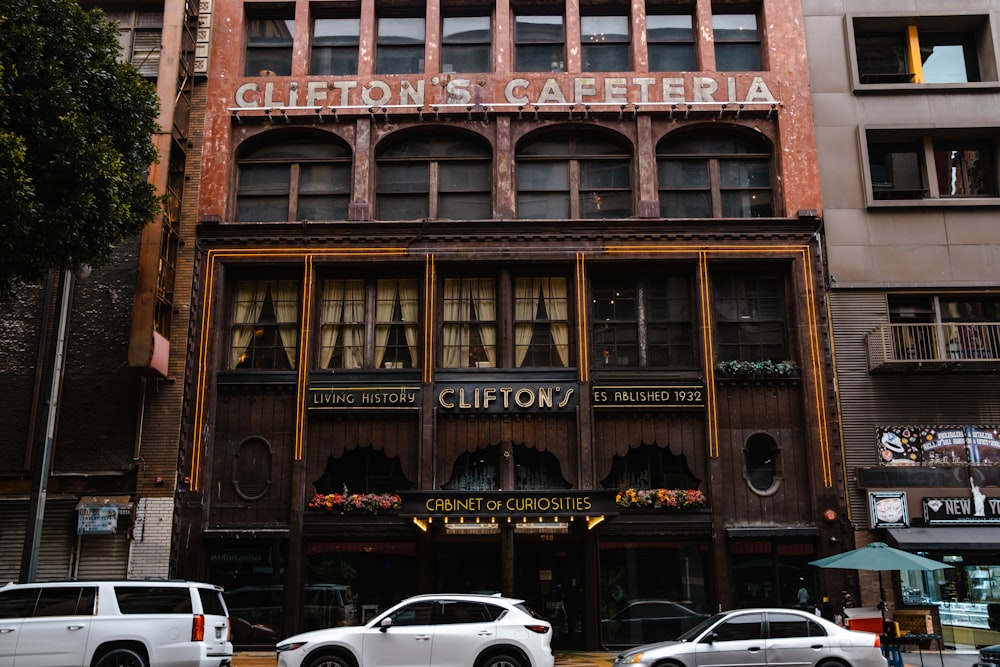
75 140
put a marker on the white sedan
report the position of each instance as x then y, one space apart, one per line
440 630
761 638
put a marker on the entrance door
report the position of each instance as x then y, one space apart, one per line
548 574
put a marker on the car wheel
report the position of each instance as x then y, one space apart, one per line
328 661
501 660
120 657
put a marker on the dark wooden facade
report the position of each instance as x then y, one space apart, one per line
582 442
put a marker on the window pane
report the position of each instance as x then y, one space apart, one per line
323 207
317 178
539 44
896 170
882 58
269 47
542 176
540 58
538 29
604 174
539 205
737 57
605 42
670 43
335 46
948 58
671 58
258 179
465 58
408 177
964 171
400 60
604 204
465 206
676 204
400 46
747 204
463 176
402 207
683 173
745 173
735 28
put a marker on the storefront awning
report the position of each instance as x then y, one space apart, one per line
949 539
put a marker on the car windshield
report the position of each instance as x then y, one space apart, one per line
693 633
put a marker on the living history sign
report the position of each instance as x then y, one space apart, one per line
938 445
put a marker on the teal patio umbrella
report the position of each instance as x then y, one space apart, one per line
879 557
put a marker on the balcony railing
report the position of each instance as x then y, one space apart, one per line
957 346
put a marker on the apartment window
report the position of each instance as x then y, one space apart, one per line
715 175
605 43
541 323
265 328
750 316
737 43
574 175
465 44
967 325
304 177
539 43
139 35
438 177
269 46
335 46
400 47
391 305
939 164
948 48
469 331
642 320
670 43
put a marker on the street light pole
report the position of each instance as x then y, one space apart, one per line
39 489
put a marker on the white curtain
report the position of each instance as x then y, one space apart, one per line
529 293
284 297
485 300
386 292
250 295
455 347
409 306
343 321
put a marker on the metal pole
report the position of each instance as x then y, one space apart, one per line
36 507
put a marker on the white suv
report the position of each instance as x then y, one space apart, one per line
463 630
151 623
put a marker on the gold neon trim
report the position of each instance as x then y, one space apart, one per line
429 313
708 345
581 320
303 375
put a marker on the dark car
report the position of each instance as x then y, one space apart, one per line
647 621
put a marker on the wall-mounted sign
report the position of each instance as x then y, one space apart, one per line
649 396
507 503
507 397
976 508
97 520
888 509
937 445
363 398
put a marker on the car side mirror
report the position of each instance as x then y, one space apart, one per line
710 637
385 624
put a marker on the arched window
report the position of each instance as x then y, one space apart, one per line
715 174
304 177
433 177
574 175
763 465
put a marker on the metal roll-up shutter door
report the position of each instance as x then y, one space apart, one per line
103 556
55 552
13 517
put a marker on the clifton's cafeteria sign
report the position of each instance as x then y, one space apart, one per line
507 503
345 94
456 398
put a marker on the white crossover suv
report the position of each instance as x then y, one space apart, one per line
149 623
461 630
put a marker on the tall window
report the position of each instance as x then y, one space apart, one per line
541 323
948 47
400 48
348 305
265 329
269 46
604 43
641 321
737 43
335 46
717 175
140 33
443 177
966 325
539 43
306 177
574 175
465 44
670 43
750 316
469 330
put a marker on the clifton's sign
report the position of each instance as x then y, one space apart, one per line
402 93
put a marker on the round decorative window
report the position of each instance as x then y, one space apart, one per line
252 468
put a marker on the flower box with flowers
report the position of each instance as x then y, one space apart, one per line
660 499
373 503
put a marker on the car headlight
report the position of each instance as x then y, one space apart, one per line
630 658
281 648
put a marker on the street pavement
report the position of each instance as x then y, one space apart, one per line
957 657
